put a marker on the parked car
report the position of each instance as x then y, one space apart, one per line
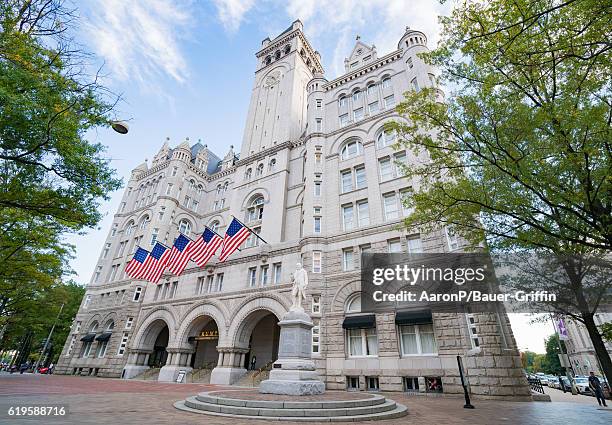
582 385
43 370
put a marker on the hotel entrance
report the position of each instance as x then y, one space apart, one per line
205 343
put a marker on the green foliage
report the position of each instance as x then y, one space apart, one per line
38 314
52 177
551 363
523 144
606 331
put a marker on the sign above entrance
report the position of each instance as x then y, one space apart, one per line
207 335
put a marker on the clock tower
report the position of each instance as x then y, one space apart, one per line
277 112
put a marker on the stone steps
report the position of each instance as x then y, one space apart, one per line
376 407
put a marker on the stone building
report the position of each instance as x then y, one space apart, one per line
317 178
580 349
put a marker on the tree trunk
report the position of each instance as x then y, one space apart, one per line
599 345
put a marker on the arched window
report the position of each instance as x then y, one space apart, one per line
386 82
385 138
248 173
214 226
184 227
87 343
255 210
287 49
104 338
268 59
351 149
226 186
371 89
272 164
219 189
259 170
129 229
144 222
277 55
356 95
353 304
192 184
342 101
200 189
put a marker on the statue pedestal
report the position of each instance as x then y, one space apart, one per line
294 372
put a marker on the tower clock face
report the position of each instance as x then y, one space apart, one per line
272 79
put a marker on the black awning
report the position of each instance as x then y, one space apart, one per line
356 322
413 317
104 336
89 337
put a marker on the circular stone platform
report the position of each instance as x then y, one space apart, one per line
332 406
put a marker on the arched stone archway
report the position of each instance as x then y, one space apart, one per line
253 333
149 348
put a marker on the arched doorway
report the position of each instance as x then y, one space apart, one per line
263 339
158 357
204 338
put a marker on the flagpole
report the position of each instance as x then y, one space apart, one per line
251 230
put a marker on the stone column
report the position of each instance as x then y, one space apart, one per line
230 367
137 363
178 359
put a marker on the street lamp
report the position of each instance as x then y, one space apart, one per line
120 127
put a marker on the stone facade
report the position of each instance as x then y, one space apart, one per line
316 177
580 348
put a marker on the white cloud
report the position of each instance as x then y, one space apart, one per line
139 40
231 12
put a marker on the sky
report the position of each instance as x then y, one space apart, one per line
184 69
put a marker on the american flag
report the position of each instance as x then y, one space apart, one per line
156 263
135 267
205 247
180 254
235 234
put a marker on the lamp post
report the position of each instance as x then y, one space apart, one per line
468 404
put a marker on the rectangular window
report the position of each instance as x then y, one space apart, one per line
317 189
352 383
318 157
209 285
358 114
451 238
360 177
316 304
399 160
122 206
418 339
154 236
161 213
263 277
394 245
253 240
174 171
137 293
252 277
372 383
373 107
129 322
319 103
347 217
114 229
409 63
362 342
346 178
277 273
316 339
411 384
389 102
317 261
372 90
194 205
317 224
97 274
347 259
173 287
87 302
390 206
386 169
414 245
415 84
219 282
343 120
473 332
123 344
71 346
105 252
319 125
363 213
404 199
169 189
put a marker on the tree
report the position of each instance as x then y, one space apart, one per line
606 331
551 363
53 177
520 154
